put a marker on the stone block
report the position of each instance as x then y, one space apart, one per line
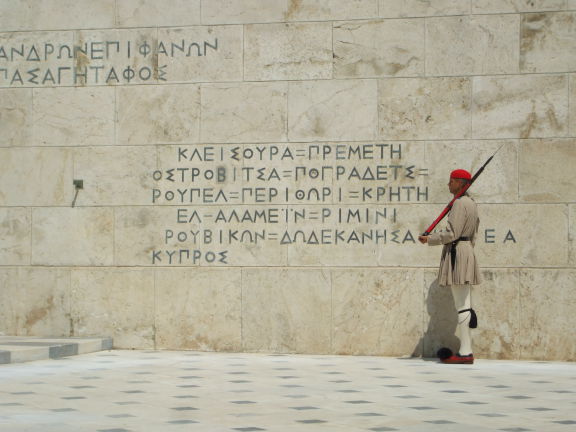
328 10
150 13
424 108
201 53
114 302
244 112
35 59
199 309
118 57
379 48
35 177
547 42
520 106
242 11
472 45
72 236
511 235
115 175
288 51
158 114
56 14
546 170
497 304
547 314
15 233
572 235
286 310
332 110
377 311
497 184
15 117
205 236
507 6
572 105
35 301
74 116
419 8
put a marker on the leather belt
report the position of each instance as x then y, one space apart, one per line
453 250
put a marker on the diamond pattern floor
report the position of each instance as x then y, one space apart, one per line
138 391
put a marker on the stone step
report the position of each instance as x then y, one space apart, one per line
18 349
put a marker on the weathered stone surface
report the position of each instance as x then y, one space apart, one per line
248 112
332 110
242 11
35 301
159 114
199 309
35 176
288 51
501 224
35 59
115 175
82 236
286 310
424 108
419 8
497 184
379 48
74 116
15 235
546 170
114 302
572 105
547 314
113 57
15 117
547 42
324 10
497 304
200 53
520 106
150 13
376 312
572 235
472 45
506 6
56 14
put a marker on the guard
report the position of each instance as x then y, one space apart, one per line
458 266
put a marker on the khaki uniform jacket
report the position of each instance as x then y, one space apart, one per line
463 221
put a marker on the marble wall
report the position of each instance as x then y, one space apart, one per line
255 173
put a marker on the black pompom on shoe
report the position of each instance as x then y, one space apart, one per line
444 353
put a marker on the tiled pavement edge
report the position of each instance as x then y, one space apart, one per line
18 349
141 391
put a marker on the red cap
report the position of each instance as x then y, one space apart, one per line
460 174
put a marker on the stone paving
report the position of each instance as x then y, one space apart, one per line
120 391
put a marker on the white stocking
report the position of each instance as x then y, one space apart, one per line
462 300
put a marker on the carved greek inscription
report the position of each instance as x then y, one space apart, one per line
96 62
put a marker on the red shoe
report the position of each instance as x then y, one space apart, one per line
459 359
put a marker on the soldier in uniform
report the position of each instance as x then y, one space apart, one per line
458 265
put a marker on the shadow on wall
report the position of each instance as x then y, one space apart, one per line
442 322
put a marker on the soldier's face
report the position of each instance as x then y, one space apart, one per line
454 185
